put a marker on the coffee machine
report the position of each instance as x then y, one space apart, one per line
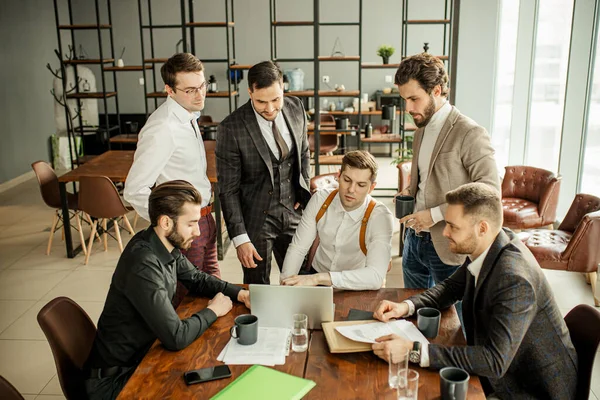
388 118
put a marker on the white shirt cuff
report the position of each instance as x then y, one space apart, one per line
411 307
424 355
240 239
336 279
436 214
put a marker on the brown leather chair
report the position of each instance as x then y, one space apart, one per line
49 188
8 391
584 327
324 181
404 174
70 333
575 245
529 197
99 197
329 143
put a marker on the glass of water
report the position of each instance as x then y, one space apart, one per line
300 333
408 388
398 364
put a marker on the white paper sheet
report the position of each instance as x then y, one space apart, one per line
367 333
270 349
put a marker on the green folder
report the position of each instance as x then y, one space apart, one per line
262 383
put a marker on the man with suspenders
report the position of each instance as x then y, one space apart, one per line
354 233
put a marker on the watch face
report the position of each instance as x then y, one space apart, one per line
414 357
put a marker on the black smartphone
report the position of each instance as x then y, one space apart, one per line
207 374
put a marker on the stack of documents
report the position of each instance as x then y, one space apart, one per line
367 333
271 348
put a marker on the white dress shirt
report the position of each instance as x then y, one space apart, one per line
430 135
170 147
266 128
474 268
339 250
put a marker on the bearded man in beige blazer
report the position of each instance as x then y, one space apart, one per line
449 150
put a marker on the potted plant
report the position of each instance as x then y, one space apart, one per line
385 52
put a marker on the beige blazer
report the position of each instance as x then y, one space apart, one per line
462 153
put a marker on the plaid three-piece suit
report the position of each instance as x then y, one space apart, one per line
247 180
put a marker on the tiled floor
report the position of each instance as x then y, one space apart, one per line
29 279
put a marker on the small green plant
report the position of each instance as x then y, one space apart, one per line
384 51
405 153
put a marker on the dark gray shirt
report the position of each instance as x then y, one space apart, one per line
138 307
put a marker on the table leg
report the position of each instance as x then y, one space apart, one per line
66 219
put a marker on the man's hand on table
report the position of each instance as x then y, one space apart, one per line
322 278
387 310
220 304
244 297
391 344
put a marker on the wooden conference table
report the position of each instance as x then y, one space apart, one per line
341 376
115 165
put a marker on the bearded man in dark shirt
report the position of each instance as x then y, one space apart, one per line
138 307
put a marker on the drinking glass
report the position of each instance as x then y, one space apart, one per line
398 364
300 333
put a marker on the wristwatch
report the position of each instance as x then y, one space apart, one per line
415 354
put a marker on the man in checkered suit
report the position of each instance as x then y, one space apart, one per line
263 165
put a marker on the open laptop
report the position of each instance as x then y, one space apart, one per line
275 306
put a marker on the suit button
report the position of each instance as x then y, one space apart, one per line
289 197
289 164
270 193
288 181
264 212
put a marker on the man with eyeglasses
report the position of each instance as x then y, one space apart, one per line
170 147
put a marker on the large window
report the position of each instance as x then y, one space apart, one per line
549 81
505 80
590 179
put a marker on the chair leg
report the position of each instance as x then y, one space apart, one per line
52 229
92 237
62 229
81 237
105 235
118 235
128 225
593 276
135 220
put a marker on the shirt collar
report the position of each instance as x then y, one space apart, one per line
476 264
439 117
180 112
356 214
159 248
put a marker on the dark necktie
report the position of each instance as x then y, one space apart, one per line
467 309
281 145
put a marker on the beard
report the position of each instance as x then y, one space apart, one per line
427 114
177 240
468 246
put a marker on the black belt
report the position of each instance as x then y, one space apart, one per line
422 234
99 373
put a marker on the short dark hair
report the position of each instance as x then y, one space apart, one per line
479 200
360 159
180 62
168 199
427 70
264 75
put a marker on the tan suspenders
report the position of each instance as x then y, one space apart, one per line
363 225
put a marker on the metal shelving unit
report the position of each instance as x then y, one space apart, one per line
104 130
232 92
316 93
